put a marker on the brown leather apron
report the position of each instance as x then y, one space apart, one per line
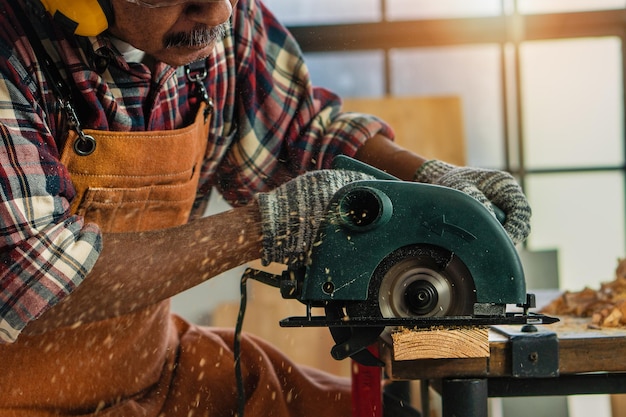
151 363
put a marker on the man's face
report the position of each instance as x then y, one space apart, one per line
176 35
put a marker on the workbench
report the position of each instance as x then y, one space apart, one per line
565 358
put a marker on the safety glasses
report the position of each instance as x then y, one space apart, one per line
168 3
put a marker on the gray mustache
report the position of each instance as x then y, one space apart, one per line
200 35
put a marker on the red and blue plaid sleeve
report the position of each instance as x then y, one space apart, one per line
44 252
285 125
43 255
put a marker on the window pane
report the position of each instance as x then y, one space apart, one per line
305 12
469 72
556 6
349 74
572 102
582 216
437 9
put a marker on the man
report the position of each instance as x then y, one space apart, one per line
106 168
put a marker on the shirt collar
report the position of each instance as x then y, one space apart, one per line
104 52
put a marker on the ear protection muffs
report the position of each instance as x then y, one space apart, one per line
81 17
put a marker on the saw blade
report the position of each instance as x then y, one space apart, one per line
424 281
418 281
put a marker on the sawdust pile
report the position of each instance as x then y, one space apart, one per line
606 306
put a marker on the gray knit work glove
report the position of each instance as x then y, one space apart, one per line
291 214
487 186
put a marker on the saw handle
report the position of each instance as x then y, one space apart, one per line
345 162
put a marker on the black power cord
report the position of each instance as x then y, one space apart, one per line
265 278
241 391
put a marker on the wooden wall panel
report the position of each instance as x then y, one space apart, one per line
429 126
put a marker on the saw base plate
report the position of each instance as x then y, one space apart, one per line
421 323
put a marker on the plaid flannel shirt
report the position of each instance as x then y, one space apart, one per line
269 124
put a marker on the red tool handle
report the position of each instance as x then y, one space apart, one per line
367 397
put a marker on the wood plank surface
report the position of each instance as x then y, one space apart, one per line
440 343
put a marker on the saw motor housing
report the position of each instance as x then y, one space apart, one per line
370 220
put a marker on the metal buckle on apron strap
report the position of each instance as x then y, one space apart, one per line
84 144
197 72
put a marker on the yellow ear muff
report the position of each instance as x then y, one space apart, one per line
82 17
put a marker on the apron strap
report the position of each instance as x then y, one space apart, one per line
196 73
87 144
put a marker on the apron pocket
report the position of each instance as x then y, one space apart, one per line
138 209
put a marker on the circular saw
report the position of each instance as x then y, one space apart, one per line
392 253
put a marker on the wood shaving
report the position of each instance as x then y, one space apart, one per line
605 306
435 328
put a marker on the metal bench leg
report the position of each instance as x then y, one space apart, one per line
464 397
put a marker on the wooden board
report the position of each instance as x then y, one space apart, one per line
581 349
429 126
468 342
